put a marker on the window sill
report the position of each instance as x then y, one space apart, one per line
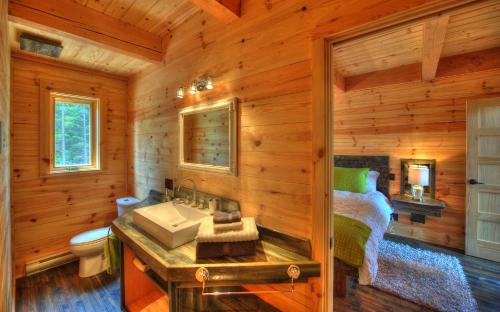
59 173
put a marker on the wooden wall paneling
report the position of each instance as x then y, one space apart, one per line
47 212
206 137
417 120
6 276
264 59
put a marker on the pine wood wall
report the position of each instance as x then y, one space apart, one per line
425 120
47 212
264 59
5 215
206 138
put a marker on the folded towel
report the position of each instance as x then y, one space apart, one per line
227 217
225 227
206 232
112 254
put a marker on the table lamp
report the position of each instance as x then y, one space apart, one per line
418 177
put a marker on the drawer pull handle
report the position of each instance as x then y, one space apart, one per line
140 265
202 275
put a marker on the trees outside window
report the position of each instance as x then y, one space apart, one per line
74 133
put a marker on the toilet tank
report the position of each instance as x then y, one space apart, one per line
122 204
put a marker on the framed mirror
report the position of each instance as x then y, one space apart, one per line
208 137
429 186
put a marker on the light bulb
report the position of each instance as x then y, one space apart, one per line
210 84
180 93
192 90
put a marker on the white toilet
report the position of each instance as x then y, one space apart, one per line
89 246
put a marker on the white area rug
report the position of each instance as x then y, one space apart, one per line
428 278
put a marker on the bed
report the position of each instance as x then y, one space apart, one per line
372 209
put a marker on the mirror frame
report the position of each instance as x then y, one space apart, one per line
232 107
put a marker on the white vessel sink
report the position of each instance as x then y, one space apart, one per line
172 224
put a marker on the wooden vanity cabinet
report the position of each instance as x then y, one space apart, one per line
139 292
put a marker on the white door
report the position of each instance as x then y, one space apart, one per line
483 179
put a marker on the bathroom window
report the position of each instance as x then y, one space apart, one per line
74 133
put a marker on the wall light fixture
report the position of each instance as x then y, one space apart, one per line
198 85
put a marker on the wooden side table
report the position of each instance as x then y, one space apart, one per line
418 210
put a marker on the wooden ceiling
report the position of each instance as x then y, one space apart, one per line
469 29
121 37
80 53
155 16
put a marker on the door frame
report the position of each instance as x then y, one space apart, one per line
322 39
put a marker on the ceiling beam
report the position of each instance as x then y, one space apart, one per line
432 46
448 66
67 17
225 10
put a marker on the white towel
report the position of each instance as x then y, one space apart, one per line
206 233
224 227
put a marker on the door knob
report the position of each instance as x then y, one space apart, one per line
474 181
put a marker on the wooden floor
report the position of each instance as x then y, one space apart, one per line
483 277
61 289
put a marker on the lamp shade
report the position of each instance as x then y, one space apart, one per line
418 175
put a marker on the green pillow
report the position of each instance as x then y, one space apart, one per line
350 179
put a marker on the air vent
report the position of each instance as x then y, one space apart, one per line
40 45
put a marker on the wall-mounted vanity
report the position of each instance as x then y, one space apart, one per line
173 279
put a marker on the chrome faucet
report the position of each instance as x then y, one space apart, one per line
194 190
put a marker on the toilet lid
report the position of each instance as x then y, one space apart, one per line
91 236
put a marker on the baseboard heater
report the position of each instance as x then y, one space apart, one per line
53 261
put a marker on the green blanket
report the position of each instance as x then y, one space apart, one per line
112 254
350 237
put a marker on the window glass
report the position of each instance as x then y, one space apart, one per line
72 134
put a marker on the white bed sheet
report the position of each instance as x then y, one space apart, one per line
374 210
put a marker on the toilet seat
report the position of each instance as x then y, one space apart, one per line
92 237
90 242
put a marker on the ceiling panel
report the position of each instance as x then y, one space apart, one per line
156 16
472 28
80 53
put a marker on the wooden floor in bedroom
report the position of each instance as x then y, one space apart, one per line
483 277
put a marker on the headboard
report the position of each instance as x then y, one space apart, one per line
376 163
